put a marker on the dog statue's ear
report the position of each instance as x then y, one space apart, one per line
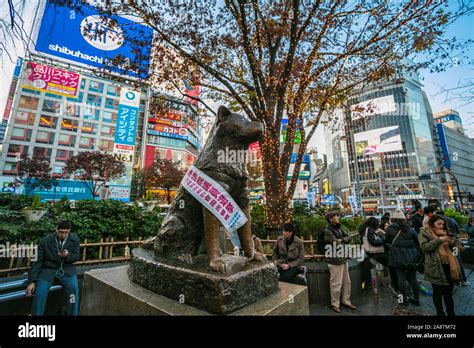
222 112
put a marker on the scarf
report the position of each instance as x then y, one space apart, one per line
447 257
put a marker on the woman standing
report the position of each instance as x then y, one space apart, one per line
403 241
442 268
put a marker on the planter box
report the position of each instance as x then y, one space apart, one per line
33 215
318 281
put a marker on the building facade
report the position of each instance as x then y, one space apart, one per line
457 153
388 137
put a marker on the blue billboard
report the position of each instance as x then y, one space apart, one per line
71 189
83 36
444 145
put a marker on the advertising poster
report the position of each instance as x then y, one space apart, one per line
372 107
379 140
48 79
85 37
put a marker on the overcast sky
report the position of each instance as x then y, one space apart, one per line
432 82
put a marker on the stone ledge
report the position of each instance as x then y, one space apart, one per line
110 292
244 284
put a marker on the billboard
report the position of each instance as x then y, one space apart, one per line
127 120
379 140
11 92
444 145
52 80
284 123
375 106
84 37
72 189
167 131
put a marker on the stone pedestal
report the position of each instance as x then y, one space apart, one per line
110 292
243 284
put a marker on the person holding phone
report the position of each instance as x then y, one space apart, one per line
57 253
442 268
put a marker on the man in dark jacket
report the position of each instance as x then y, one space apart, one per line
416 220
288 254
56 254
335 236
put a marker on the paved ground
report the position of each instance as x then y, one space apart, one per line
385 302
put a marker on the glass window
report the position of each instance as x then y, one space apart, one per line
21 134
69 125
89 128
83 83
22 117
106 145
86 142
15 150
9 168
62 155
94 99
108 130
111 103
45 137
95 86
67 139
28 102
109 117
52 106
72 109
48 121
113 90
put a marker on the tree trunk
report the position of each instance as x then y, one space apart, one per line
168 196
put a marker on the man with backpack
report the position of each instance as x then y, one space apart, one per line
334 235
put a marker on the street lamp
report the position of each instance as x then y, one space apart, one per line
447 171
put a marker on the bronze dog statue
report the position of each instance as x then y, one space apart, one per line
188 222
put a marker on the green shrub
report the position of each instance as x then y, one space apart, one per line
460 218
258 221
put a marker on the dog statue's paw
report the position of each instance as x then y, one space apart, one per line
258 257
217 265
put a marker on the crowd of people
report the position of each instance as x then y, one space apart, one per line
426 242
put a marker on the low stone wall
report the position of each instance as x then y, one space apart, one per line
318 281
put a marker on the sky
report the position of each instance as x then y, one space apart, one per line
433 83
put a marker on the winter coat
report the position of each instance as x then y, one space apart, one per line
331 234
403 250
434 271
294 256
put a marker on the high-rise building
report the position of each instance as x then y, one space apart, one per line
457 152
389 140
67 99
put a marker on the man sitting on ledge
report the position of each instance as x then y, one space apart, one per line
288 254
56 254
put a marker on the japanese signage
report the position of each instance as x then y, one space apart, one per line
167 116
125 137
124 152
11 93
217 200
127 120
86 37
167 131
52 80
72 189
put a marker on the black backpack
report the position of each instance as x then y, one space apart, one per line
321 242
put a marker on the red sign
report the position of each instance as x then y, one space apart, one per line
169 116
52 80
167 129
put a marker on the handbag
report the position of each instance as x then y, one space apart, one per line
369 248
420 261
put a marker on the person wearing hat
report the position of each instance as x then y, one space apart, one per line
339 279
402 240
416 220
